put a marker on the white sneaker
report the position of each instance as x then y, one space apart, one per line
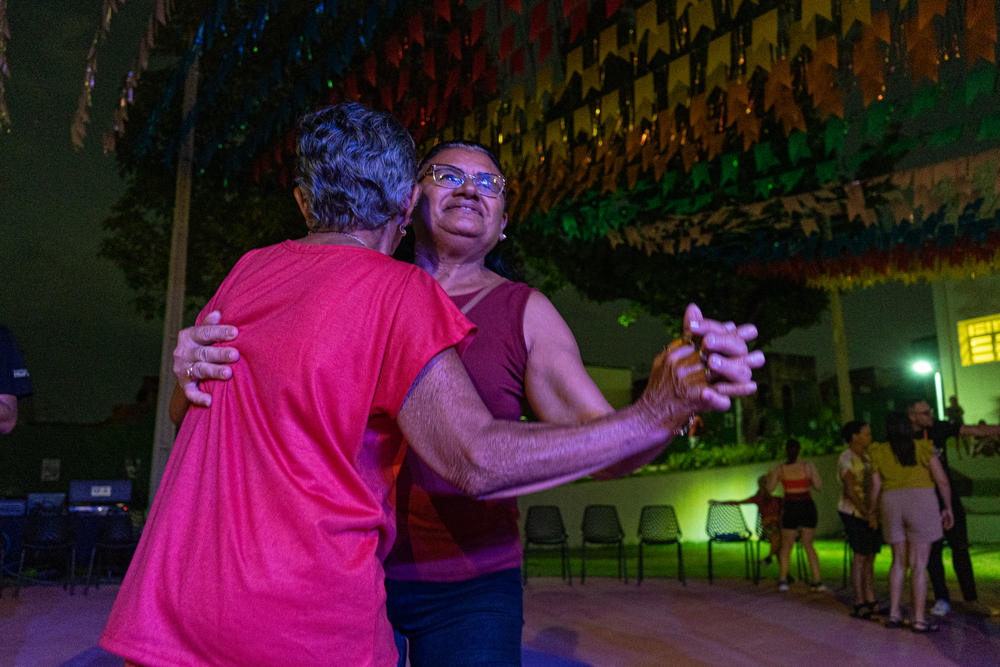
941 608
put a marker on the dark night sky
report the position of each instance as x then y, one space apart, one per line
86 348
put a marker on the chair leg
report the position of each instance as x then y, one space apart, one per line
583 562
20 568
638 580
680 565
72 569
622 560
90 570
710 562
566 567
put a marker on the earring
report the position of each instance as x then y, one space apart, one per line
402 230
502 236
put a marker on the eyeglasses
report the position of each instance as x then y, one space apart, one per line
447 176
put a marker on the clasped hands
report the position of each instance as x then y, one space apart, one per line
698 373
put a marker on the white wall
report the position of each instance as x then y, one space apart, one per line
688 492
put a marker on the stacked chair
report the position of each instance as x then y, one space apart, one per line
726 525
601 526
544 526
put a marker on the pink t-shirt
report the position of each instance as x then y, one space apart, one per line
265 541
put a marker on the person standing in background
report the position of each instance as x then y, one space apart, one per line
14 380
925 427
854 469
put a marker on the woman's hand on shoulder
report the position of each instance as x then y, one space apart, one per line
196 359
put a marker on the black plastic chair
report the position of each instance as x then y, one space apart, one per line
46 534
601 526
544 526
658 525
115 536
726 524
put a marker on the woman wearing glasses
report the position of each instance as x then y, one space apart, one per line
453 575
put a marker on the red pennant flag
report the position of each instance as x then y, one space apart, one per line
506 42
466 97
370 68
393 50
429 68
517 62
478 24
351 87
478 63
545 45
410 112
490 80
455 43
452 84
539 20
386 98
417 28
442 8
513 5
432 96
611 6
578 22
568 6
403 85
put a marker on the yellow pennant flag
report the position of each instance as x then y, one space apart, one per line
507 157
811 8
517 97
679 81
533 110
854 10
507 129
554 133
582 121
700 15
610 109
608 43
681 6
658 41
448 134
574 62
543 81
801 33
645 20
591 79
765 36
719 61
645 97
469 127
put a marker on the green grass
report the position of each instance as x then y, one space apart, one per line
728 562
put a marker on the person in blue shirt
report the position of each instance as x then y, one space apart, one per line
14 380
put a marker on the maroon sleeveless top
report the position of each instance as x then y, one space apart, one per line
446 537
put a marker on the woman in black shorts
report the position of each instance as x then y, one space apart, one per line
799 515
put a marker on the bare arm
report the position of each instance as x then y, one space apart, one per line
980 430
814 478
772 479
876 490
8 413
944 488
850 492
447 425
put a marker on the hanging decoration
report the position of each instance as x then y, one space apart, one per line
4 68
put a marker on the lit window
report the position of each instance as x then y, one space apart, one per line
979 340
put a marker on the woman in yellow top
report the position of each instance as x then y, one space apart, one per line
904 472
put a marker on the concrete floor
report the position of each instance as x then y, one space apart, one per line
601 624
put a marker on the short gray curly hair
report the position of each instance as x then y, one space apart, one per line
356 168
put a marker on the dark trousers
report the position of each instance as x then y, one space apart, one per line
456 624
958 540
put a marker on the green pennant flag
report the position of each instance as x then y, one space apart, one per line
877 120
700 175
790 179
730 168
835 135
925 99
763 187
668 182
570 227
765 157
979 82
798 147
826 172
989 128
703 200
945 137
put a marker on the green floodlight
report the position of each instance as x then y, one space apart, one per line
923 367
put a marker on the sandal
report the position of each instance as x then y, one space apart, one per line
925 627
893 623
862 611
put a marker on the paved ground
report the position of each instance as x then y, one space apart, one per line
601 624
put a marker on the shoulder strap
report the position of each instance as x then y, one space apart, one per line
480 295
